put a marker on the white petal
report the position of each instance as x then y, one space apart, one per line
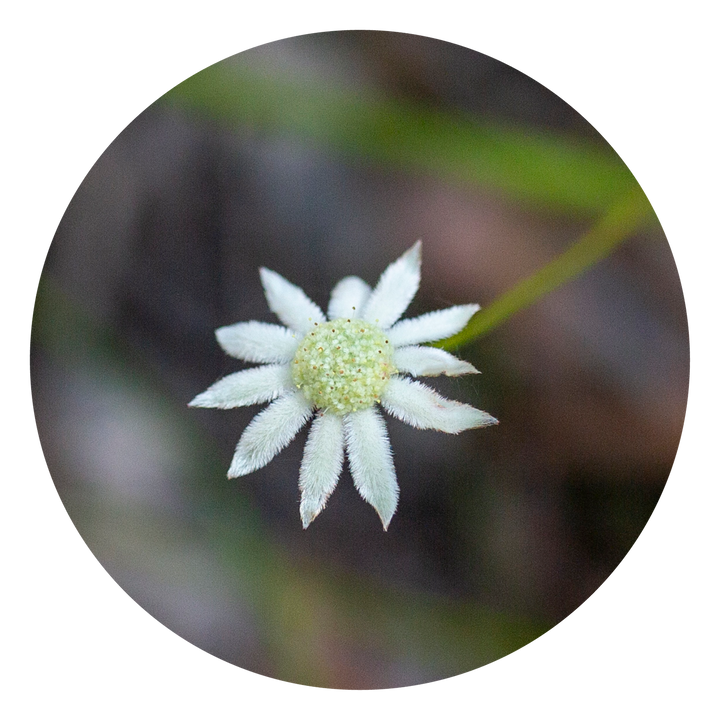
321 465
289 302
269 433
371 463
395 289
247 387
417 361
258 342
432 326
348 298
419 406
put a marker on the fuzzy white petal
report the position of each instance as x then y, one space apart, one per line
289 302
420 406
417 361
371 464
247 387
432 326
395 289
321 465
258 342
348 298
269 433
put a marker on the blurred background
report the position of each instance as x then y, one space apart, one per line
322 156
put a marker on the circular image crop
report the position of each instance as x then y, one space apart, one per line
359 360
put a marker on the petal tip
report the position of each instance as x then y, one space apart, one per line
307 515
483 420
386 511
463 368
238 468
220 333
414 254
307 519
234 474
267 276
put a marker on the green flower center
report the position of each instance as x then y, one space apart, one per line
343 365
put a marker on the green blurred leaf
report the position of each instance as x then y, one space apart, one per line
541 169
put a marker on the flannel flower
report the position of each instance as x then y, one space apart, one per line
338 368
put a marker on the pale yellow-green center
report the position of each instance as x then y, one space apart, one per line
343 365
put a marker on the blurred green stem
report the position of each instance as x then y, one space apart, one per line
617 225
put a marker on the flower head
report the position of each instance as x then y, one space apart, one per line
338 368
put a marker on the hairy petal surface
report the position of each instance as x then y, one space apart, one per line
247 387
258 342
269 433
420 406
432 326
395 289
321 465
289 302
348 298
371 464
418 361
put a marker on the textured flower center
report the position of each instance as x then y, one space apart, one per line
343 365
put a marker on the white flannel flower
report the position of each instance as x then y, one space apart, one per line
338 368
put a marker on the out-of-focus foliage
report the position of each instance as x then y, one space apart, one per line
545 170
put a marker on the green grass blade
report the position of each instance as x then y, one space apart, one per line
544 170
